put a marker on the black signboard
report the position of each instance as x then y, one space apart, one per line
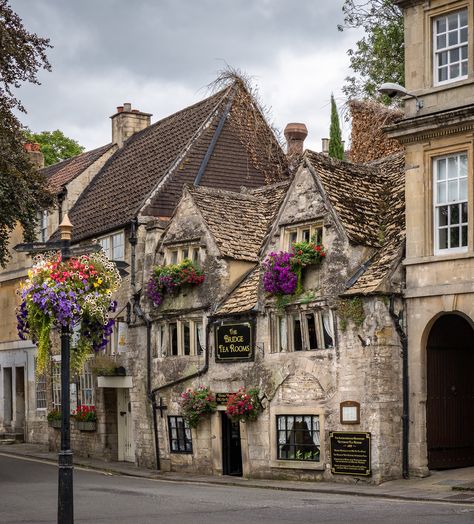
234 342
222 398
350 453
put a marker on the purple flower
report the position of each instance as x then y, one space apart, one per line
278 277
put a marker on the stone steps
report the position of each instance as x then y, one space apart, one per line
8 437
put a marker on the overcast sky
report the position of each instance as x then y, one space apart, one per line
161 54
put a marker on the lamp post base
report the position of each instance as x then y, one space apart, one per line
65 489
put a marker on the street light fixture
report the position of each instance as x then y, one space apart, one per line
392 90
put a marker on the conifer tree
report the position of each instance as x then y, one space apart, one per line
336 148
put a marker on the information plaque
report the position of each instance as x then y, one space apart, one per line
350 453
234 342
222 398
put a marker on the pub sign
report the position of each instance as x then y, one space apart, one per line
234 342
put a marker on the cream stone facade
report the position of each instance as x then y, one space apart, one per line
439 262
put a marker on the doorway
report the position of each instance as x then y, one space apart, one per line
450 393
126 444
231 447
7 397
19 399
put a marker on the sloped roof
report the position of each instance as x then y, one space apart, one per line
239 221
155 163
243 297
60 174
356 194
392 171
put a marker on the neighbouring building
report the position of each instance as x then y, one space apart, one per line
439 264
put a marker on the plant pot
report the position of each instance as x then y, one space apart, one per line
83 425
54 424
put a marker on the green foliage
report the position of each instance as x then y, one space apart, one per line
379 55
54 414
351 309
103 365
22 189
54 145
195 403
336 147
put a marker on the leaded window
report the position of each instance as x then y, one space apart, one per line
40 390
450 46
450 203
86 387
56 384
298 437
179 435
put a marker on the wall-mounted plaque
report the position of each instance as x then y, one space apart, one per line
350 453
234 342
350 412
222 398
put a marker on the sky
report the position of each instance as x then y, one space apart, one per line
160 55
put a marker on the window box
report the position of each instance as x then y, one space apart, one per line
83 425
56 424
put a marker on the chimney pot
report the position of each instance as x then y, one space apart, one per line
127 106
325 145
34 153
295 134
119 109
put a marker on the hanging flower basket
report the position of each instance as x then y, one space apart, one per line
170 279
75 294
244 405
283 270
196 403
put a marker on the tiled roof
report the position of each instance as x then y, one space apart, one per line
392 171
148 173
60 174
239 221
356 194
243 297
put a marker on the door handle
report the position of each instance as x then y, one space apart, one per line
123 413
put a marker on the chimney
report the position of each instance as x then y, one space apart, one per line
325 146
295 134
126 122
35 155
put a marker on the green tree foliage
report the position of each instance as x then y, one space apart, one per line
379 55
22 188
55 146
336 147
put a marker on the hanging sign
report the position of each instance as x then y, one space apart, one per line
350 453
234 342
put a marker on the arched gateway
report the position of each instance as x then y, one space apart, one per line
450 393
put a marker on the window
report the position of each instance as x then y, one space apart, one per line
114 246
86 387
56 383
182 337
175 255
299 331
43 226
450 203
450 47
301 233
298 437
41 400
180 435
117 342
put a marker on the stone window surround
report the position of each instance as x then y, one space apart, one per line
290 233
296 464
275 329
430 153
163 337
430 15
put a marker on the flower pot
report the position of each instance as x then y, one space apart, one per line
83 425
54 424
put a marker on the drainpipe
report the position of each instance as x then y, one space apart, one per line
405 408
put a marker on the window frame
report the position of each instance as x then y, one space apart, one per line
56 382
41 391
163 341
182 440
435 205
112 244
86 386
435 51
174 254
317 313
296 431
296 233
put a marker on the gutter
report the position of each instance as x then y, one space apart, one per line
405 385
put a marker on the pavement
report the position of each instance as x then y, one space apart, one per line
448 486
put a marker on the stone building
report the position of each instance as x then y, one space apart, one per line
437 133
334 346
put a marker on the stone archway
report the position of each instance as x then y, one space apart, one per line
450 393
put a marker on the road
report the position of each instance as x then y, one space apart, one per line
28 494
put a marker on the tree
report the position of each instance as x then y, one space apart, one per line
55 146
379 55
23 190
336 147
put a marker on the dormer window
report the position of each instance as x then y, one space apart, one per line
175 255
301 233
450 47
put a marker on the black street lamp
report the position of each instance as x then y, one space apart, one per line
65 458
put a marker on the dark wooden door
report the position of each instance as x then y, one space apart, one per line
231 448
450 394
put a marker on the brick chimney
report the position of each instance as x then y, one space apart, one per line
295 134
126 122
35 155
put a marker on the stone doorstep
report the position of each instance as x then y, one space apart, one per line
6 441
464 486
